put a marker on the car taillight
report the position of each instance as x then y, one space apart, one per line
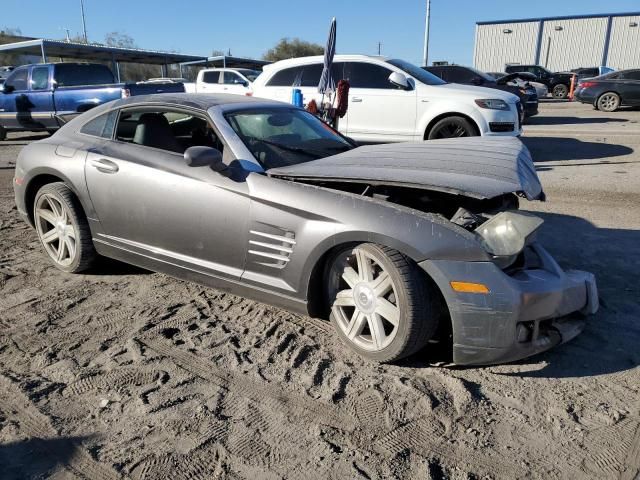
125 93
587 84
249 94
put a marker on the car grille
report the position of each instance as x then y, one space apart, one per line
502 126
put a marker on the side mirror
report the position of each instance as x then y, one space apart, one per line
399 80
4 88
239 81
204 157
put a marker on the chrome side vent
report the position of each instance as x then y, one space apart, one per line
271 250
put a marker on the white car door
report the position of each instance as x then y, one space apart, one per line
209 82
378 110
234 83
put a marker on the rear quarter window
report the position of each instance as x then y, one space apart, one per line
101 126
210 77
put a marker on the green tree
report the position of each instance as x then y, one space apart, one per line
10 35
120 39
291 48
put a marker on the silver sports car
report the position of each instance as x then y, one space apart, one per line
400 245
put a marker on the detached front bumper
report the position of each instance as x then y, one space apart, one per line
528 311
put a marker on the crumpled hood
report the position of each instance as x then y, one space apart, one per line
478 167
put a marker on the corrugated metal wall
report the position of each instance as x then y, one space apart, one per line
578 42
624 43
494 48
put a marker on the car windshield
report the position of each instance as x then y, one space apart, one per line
417 72
250 74
279 137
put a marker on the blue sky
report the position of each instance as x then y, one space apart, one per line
250 27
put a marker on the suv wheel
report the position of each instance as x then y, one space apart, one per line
62 228
608 102
381 305
560 91
452 127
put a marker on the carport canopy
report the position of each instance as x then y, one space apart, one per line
228 61
88 51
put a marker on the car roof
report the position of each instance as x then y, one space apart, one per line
201 101
320 58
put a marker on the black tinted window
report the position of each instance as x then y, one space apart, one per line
311 75
40 78
460 75
210 77
101 126
437 71
367 75
71 75
18 79
635 75
285 78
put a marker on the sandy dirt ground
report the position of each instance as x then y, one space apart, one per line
124 373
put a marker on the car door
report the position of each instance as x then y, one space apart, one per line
149 202
210 82
16 107
630 87
41 97
378 110
233 83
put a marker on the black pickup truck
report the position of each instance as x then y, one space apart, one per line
42 97
558 83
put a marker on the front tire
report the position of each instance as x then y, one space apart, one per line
452 127
63 229
608 102
381 306
560 91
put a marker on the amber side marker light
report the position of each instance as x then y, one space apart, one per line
468 287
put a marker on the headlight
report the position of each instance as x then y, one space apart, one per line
506 234
493 104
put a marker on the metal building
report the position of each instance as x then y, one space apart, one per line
560 43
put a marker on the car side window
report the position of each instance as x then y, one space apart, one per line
635 75
460 75
18 79
311 75
166 129
39 78
285 78
210 77
101 126
367 75
231 78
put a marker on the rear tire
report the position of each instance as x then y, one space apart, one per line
560 91
381 304
608 102
452 127
3 134
62 228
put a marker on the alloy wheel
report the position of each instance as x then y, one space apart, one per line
608 102
55 229
365 306
451 130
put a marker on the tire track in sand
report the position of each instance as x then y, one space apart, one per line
35 424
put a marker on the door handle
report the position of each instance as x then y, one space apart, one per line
105 166
356 99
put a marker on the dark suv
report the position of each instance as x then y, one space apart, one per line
471 76
557 83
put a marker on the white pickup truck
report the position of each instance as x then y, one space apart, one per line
237 81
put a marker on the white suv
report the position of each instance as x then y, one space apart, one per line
394 101
238 81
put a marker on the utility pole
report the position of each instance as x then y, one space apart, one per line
379 48
84 23
425 55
